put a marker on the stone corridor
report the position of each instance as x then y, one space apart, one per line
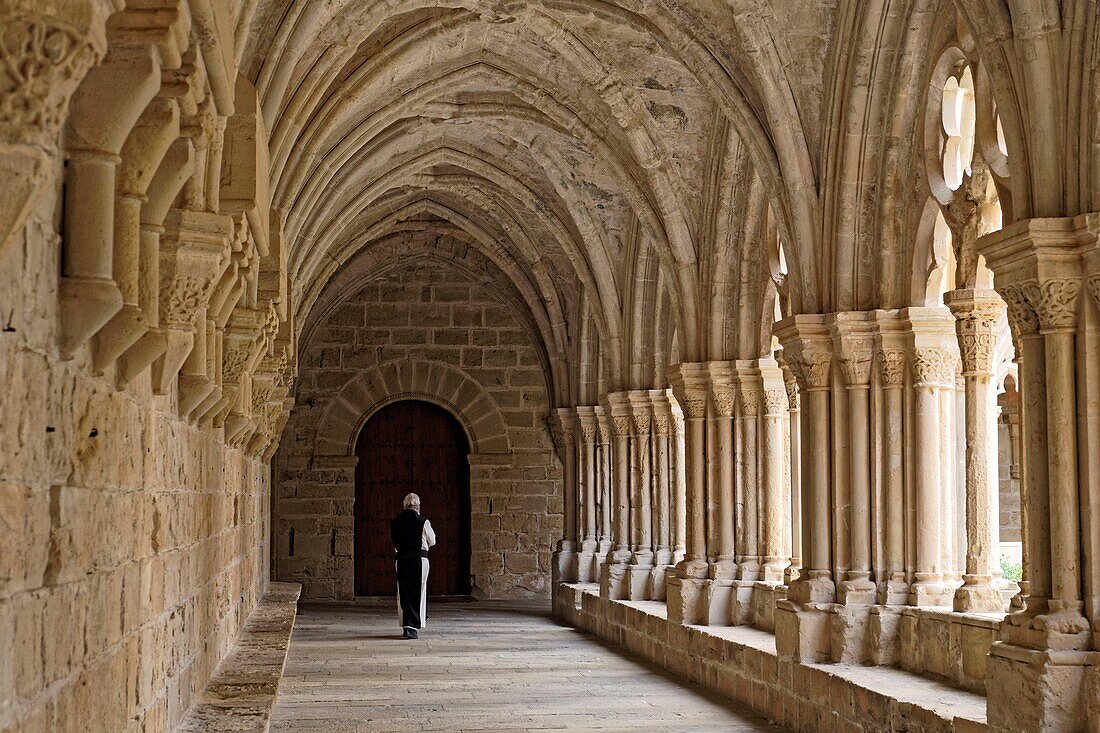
490 666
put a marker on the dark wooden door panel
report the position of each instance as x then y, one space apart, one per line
418 447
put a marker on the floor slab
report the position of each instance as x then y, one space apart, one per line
479 667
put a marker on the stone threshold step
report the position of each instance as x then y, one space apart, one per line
741 662
241 695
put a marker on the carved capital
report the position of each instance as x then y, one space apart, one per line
1094 288
933 367
856 366
723 396
1055 302
194 253
621 425
891 364
642 419
694 404
749 397
43 58
812 368
775 402
793 398
1022 318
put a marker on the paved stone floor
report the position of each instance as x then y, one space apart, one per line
479 667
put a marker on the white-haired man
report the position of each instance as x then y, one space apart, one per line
412 535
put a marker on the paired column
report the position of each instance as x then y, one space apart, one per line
563 432
774 481
664 504
691 387
604 488
641 495
854 336
976 317
588 483
614 582
890 355
933 365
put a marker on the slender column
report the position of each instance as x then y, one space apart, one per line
603 435
663 505
774 451
1055 301
614 583
693 401
1034 466
806 341
679 484
749 509
856 350
641 559
686 602
724 545
794 436
586 453
891 365
976 316
933 372
563 431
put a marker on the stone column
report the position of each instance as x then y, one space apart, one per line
854 335
890 355
722 543
976 316
614 583
586 452
802 621
604 473
563 429
663 504
933 374
1040 267
690 384
748 494
794 436
774 448
641 495
678 489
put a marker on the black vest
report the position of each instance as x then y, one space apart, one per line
407 534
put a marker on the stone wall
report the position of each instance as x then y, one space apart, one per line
132 545
428 331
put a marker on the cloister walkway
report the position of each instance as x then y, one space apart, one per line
478 667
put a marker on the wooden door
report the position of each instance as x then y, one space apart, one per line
418 447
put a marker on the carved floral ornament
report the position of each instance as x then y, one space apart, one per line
723 399
812 368
622 425
934 366
588 433
775 402
661 421
642 419
857 367
42 60
1021 316
1094 287
1055 301
187 295
977 349
750 402
694 404
891 364
793 399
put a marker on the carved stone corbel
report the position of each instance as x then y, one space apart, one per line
46 48
194 253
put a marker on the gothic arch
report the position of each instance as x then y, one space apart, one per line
439 384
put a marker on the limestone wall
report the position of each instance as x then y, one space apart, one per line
132 545
429 331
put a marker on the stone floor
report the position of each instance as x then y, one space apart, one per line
479 667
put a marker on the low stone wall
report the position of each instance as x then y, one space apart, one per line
741 663
241 696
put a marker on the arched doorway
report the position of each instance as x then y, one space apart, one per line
412 446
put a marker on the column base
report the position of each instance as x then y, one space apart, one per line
893 592
685 599
1060 629
742 610
614 583
848 628
883 635
658 581
765 594
856 592
717 602
564 567
925 593
814 590
980 598
637 581
802 632
587 568
1036 691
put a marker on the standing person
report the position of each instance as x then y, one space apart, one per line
412 535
